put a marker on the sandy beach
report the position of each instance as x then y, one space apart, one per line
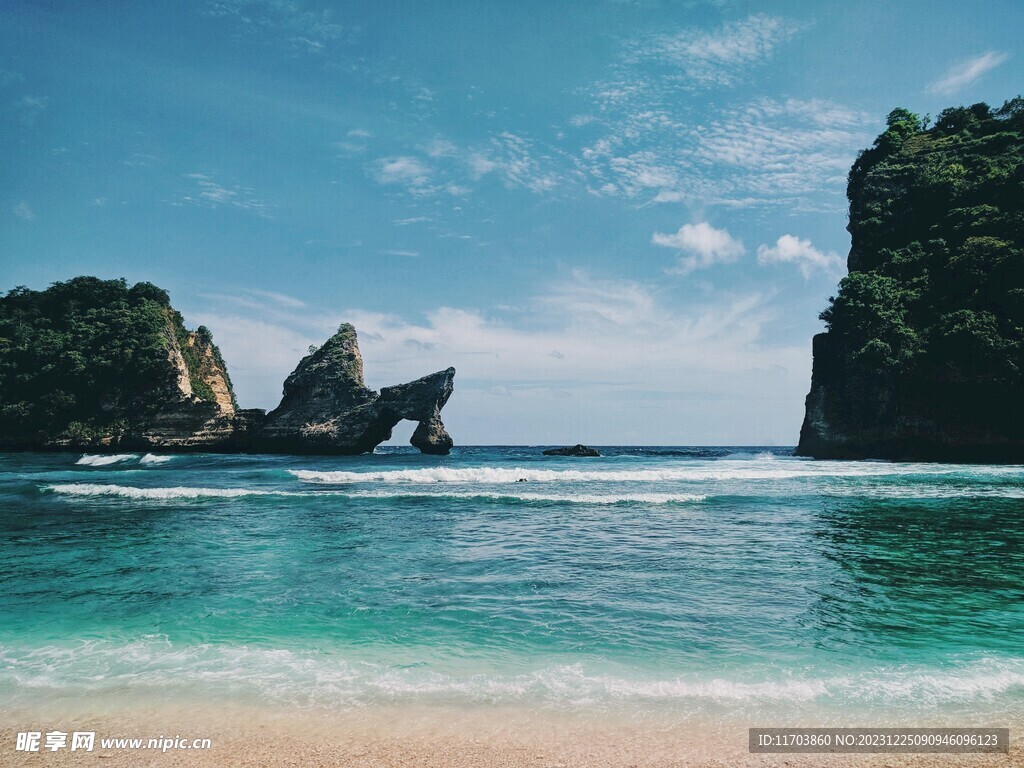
406 736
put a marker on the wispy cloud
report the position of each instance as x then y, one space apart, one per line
211 194
302 27
700 246
513 159
24 212
406 170
760 153
29 108
964 73
280 299
790 249
717 57
507 157
356 142
400 252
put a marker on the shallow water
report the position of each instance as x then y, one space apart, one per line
684 581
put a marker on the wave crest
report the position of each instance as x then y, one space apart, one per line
95 489
161 494
154 458
104 459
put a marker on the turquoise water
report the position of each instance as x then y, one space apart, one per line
684 581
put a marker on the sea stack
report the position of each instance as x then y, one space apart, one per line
923 358
327 407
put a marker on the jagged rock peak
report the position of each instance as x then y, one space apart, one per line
330 373
327 408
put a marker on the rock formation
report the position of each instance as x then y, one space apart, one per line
187 418
924 354
327 407
575 450
93 364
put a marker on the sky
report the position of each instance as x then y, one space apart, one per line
618 219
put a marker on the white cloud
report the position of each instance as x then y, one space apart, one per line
440 148
399 252
763 152
480 165
355 142
404 169
721 56
211 194
964 73
623 350
24 212
790 249
513 159
700 246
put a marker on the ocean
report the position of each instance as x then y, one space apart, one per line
653 582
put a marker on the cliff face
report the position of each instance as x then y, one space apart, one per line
200 410
93 364
923 358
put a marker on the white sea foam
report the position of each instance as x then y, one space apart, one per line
94 489
710 471
567 498
130 492
103 459
925 492
153 458
281 676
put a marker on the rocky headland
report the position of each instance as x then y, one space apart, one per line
96 365
923 358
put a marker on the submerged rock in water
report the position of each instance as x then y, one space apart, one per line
573 450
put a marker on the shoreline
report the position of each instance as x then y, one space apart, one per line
414 735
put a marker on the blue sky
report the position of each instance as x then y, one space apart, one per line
618 220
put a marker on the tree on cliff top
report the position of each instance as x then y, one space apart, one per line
934 302
84 355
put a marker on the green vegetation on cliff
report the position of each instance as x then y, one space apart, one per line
925 342
88 357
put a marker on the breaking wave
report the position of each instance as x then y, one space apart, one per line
281 676
95 489
153 458
104 459
720 470
567 498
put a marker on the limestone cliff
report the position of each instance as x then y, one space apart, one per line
923 358
327 407
201 413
